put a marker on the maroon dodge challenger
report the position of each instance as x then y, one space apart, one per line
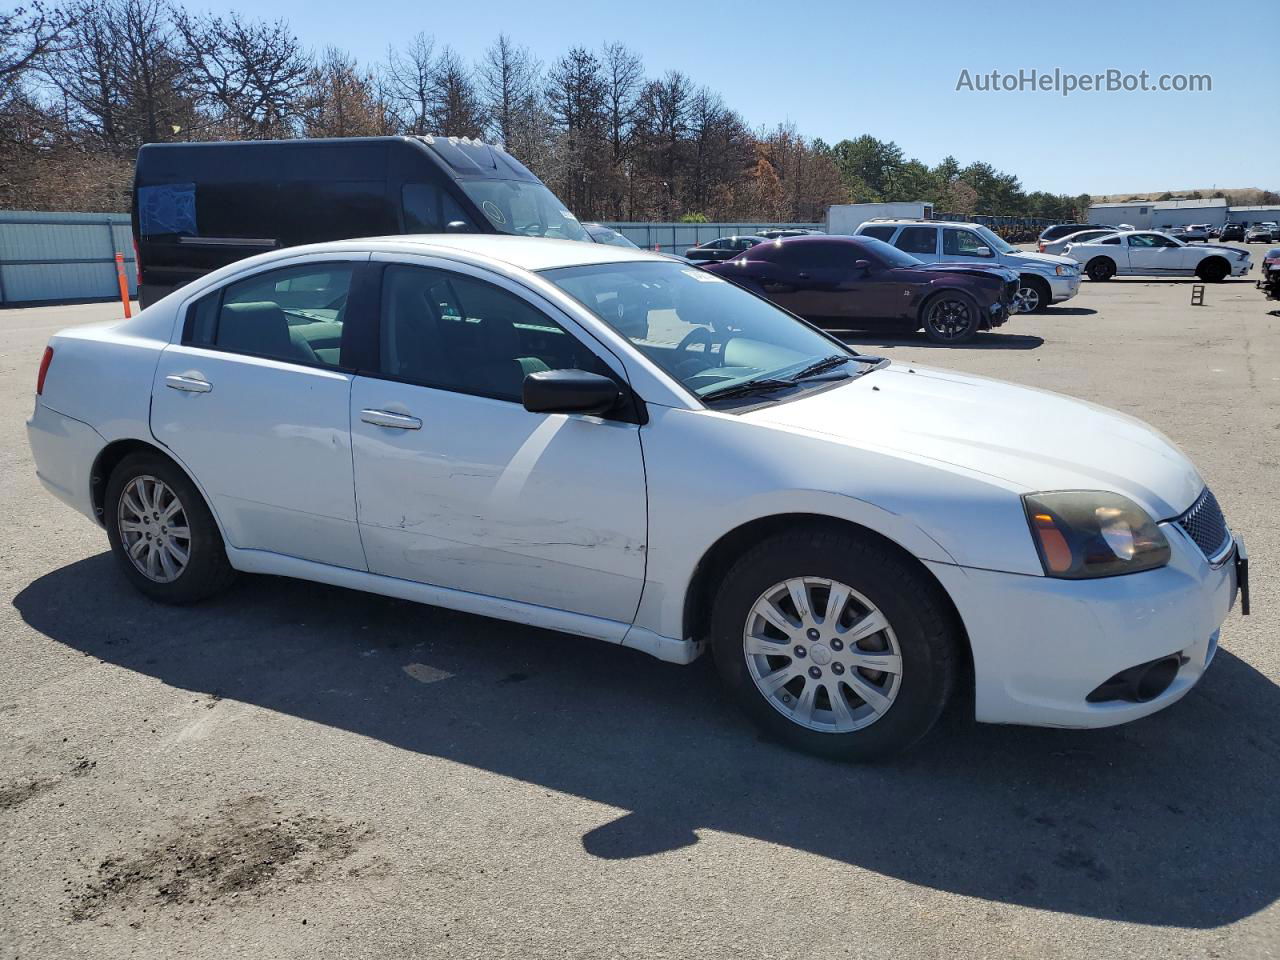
864 283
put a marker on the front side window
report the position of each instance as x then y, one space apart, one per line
524 207
453 332
294 314
962 243
705 332
918 240
429 209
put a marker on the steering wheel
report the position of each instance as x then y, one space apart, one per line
698 335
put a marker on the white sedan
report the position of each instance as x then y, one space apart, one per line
1149 253
603 441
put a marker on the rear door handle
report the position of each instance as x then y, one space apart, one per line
385 418
187 384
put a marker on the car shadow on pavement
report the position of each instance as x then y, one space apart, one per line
983 341
1169 821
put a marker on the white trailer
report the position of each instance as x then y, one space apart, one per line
845 218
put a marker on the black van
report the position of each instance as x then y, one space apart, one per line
200 206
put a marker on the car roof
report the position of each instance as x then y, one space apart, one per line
913 221
526 253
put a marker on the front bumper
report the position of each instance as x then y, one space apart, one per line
1242 268
1064 288
1041 645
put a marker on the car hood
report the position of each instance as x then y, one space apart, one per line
974 269
1042 259
1234 251
1031 439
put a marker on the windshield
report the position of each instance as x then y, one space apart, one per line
704 331
602 234
888 253
524 207
994 240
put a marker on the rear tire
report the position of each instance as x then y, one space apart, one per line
1101 268
162 533
878 712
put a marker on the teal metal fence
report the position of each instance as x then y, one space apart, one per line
63 257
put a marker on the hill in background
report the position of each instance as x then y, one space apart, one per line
1236 196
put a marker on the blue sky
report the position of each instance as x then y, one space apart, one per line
840 69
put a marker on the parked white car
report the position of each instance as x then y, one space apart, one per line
1149 253
1044 278
1056 247
603 441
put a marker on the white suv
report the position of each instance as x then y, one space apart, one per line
1043 278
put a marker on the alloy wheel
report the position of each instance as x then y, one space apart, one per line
1030 300
822 654
950 318
153 528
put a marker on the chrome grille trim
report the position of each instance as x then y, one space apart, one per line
1204 523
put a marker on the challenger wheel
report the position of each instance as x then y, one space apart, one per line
835 644
162 533
950 318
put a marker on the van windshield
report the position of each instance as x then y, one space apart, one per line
525 208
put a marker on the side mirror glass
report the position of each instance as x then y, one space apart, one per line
458 226
569 391
984 252
862 266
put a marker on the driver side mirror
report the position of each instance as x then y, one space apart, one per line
861 266
569 391
984 252
458 226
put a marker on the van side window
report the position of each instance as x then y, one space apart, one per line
428 209
293 314
918 240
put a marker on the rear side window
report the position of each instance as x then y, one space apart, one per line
1112 241
879 233
918 240
293 314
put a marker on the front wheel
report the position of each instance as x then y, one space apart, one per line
162 533
1034 294
950 318
1213 271
835 644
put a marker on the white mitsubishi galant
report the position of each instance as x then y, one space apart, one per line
611 443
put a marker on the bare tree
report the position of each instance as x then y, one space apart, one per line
454 109
623 80
27 34
342 101
506 79
409 79
664 121
251 74
575 96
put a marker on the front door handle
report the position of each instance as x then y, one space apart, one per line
385 418
187 384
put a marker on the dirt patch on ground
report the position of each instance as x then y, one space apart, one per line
249 846
23 789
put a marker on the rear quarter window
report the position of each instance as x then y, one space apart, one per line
879 233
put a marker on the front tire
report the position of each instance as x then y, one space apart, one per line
1035 293
835 644
950 318
1213 270
162 533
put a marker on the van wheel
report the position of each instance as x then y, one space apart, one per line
162 532
1101 268
834 644
950 318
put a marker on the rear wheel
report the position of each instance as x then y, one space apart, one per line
1213 270
834 644
162 532
1101 268
950 318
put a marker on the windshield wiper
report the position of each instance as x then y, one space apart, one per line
763 385
826 363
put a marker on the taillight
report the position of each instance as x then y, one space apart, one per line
137 263
44 369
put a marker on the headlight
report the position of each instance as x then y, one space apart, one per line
1063 270
1082 534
